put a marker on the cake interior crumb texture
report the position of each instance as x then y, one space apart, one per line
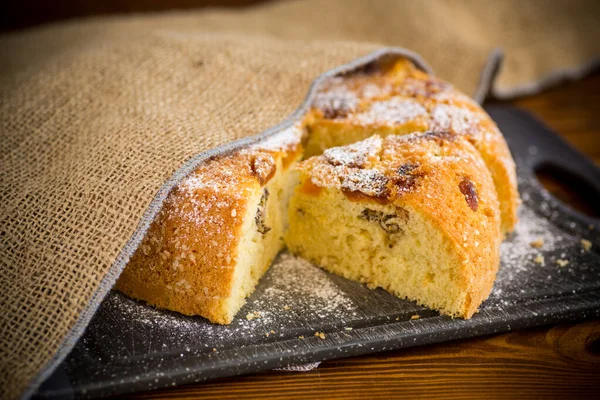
261 237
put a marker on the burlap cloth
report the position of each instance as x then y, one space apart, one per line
97 115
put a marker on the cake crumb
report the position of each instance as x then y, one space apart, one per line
562 263
267 334
539 259
586 244
320 335
348 328
301 337
286 307
537 243
252 315
214 350
397 318
272 331
416 316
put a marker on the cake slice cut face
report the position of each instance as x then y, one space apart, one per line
416 215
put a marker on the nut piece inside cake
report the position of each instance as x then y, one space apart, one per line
261 212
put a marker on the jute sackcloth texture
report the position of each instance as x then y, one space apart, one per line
542 41
96 115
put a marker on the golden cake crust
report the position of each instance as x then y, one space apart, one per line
400 99
187 259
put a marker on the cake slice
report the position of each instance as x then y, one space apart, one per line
397 98
416 215
218 232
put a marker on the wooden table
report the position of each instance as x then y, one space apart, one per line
554 362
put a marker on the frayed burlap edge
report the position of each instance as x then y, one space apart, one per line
552 79
151 212
487 85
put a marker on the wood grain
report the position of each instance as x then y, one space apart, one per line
561 361
572 110
554 362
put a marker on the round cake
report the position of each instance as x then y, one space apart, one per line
222 226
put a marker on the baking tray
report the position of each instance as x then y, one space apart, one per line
129 346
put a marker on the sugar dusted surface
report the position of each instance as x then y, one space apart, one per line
370 182
286 140
354 155
337 97
366 167
453 118
395 111
301 287
293 291
340 94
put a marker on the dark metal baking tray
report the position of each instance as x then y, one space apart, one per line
129 346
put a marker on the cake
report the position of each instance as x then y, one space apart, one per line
416 215
222 226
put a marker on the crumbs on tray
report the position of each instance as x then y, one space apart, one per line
253 315
539 259
537 243
586 245
320 335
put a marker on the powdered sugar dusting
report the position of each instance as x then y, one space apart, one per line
424 87
452 118
371 90
205 200
517 250
327 175
285 140
453 97
369 182
354 155
336 99
395 110
522 255
292 291
297 285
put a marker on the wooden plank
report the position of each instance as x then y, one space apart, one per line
557 362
